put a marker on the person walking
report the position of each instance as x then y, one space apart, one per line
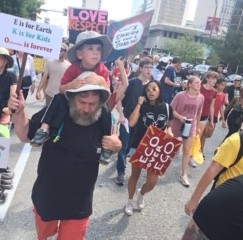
68 167
52 75
149 110
134 91
187 106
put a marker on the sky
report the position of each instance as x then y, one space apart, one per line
117 10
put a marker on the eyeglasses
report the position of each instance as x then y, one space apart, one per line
63 50
237 80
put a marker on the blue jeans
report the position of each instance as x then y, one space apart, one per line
121 160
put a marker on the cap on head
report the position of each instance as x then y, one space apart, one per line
5 52
90 37
93 82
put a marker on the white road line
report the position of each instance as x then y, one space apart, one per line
19 168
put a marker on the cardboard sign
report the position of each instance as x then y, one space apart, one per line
155 151
81 20
31 37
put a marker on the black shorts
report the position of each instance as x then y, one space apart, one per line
204 118
220 214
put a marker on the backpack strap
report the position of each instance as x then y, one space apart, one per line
239 156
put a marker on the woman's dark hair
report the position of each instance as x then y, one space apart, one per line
159 99
219 81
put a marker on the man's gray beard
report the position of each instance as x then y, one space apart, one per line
75 115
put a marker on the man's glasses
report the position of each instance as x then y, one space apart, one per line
63 50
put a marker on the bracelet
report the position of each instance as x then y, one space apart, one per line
139 104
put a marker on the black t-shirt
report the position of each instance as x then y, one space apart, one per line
220 214
231 91
67 170
7 79
134 91
150 114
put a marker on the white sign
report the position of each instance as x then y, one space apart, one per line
31 37
128 36
4 151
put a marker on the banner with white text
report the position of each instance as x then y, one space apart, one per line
29 36
81 20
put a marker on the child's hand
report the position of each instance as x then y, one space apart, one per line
224 124
7 110
77 83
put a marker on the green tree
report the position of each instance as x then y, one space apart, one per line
186 48
20 8
229 50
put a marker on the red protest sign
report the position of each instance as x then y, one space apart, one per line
155 151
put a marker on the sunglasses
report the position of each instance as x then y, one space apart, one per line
63 50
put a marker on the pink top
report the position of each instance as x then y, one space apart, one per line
189 107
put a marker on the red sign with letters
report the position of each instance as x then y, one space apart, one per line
155 151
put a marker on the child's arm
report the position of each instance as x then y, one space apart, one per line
124 81
75 83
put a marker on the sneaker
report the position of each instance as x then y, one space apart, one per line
6 184
140 200
105 157
128 208
40 137
192 164
184 181
120 179
6 173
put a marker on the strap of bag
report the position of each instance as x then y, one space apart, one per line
239 156
168 111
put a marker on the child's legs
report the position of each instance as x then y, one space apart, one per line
151 180
72 229
44 229
132 182
186 146
56 111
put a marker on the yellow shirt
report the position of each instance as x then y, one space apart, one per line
226 155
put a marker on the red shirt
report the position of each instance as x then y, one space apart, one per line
74 71
209 95
219 101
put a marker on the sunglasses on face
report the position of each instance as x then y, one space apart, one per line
63 50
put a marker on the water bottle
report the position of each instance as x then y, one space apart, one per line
186 128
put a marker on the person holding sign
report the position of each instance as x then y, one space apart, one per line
149 110
187 107
8 84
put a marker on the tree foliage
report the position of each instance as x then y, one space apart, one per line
20 8
229 50
186 48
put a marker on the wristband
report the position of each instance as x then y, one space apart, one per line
139 104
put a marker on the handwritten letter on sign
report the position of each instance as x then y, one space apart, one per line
155 152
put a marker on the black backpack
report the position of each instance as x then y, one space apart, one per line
239 156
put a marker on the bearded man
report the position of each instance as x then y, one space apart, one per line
68 166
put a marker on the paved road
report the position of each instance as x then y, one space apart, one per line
163 217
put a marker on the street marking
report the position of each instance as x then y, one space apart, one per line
18 170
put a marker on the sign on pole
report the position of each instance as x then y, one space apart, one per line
129 36
155 151
31 37
81 20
